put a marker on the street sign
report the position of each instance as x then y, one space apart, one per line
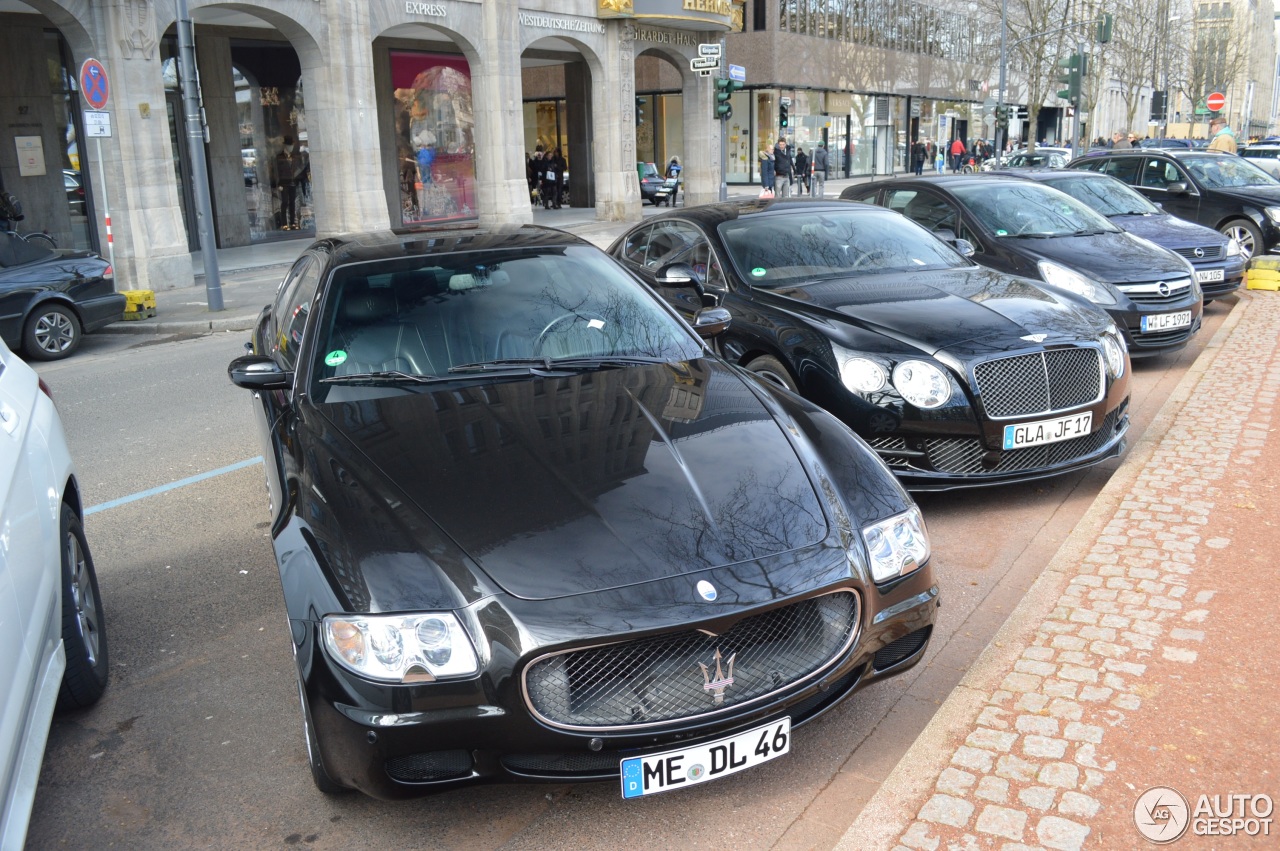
97 124
989 120
704 63
737 72
785 101
709 50
93 84
1216 101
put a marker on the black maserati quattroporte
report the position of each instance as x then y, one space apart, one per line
529 527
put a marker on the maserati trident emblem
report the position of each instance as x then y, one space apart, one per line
1035 338
706 590
722 680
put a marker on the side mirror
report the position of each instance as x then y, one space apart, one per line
964 247
945 234
711 322
258 372
677 275
1178 187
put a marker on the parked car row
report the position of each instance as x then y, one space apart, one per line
532 526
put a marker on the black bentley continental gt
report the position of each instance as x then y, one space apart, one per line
957 375
529 527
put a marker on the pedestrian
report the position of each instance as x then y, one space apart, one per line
1119 142
673 173
768 175
539 174
288 165
1222 136
939 161
918 153
820 166
552 180
802 171
782 168
957 153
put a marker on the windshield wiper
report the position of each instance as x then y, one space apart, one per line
605 361
386 377
1088 232
550 364
502 363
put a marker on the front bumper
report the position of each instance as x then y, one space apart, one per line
406 741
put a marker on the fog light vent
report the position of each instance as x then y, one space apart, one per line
424 767
893 653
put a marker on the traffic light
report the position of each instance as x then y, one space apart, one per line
1159 105
1105 25
784 121
724 90
639 110
1076 66
1002 116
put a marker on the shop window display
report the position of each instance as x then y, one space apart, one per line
435 151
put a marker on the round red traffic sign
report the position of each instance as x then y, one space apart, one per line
1215 101
93 83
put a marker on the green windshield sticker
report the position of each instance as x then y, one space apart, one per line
1002 233
758 272
335 358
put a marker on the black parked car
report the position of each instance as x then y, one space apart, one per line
1218 260
957 375
530 528
1221 191
50 298
1032 229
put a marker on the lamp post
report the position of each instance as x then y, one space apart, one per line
1002 127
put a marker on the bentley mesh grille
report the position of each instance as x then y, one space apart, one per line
677 676
967 455
1211 252
1040 383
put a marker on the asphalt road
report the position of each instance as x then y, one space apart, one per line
198 742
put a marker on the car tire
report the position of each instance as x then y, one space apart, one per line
84 634
319 775
52 332
1247 233
772 370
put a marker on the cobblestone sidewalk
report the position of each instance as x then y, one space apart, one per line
1033 747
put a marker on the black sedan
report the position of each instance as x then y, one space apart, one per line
50 298
957 375
1034 230
1226 193
529 527
1219 260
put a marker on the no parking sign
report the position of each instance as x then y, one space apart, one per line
93 83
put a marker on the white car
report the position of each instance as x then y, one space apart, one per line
53 648
1265 155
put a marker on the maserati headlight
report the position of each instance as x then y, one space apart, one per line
897 546
400 648
1073 282
859 374
1113 350
922 384
1234 248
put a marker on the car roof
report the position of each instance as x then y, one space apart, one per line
712 214
424 242
1048 174
949 180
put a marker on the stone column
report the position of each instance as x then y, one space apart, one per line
701 140
146 211
613 101
502 192
342 121
222 114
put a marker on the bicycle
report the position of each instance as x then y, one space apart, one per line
11 213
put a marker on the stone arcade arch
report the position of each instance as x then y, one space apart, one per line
664 67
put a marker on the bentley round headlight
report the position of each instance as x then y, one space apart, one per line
922 384
1113 351
400 648
863 375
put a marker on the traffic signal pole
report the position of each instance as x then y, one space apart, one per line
724 128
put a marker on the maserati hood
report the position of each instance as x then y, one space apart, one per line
580 482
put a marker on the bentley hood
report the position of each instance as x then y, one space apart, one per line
574 483
967 312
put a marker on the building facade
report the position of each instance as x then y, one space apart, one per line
325 116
